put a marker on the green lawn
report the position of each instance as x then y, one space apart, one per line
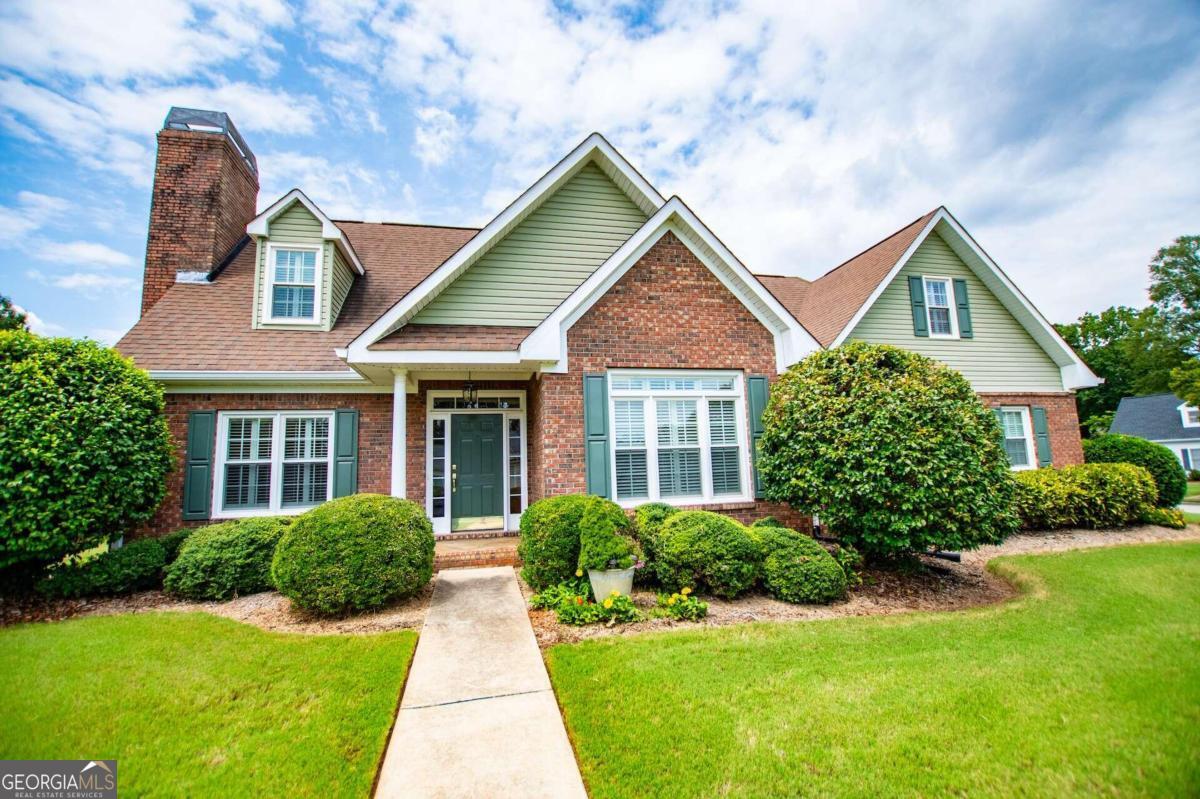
1088 685
1191 518
194 705
1193 491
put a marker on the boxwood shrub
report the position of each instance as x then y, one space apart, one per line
648 519
706 551
796 568
1162 464
605 540
225 560
354 553
1093 495
171 542
549 544
137 566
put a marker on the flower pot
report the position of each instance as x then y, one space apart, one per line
605 581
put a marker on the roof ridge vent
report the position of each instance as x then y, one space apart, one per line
210 122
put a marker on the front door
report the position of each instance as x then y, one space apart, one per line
476 468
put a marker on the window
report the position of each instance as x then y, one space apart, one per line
1193 454
272 462
293 283
678 437
437 463
1191 416
1018 437
938 301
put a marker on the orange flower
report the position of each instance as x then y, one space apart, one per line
578 600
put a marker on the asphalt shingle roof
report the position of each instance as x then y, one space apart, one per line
1155 417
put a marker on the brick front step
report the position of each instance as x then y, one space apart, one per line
466 553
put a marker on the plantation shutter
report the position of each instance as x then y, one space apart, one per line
1041 434
197 469
757 390
345 452
595 433
964 309
916 293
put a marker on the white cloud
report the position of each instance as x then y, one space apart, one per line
90 283
437 135
81 253
31 212
39 325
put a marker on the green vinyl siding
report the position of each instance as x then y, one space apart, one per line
527 274
297 225
1001 356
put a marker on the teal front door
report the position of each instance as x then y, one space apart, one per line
476 471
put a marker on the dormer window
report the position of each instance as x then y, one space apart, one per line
1191 415
938 301
292 283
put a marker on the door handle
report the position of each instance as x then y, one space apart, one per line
454 478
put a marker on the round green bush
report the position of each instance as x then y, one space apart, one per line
549 544
225 560
648 520
894 450
1161 462
707 551
171 542
798 569
137 566
605 537
1094 495
354 553
84 446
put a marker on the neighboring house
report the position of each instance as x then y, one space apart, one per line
1164 419
595 336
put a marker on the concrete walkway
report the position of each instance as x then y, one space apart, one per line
478 717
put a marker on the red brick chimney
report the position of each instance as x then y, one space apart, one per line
205 190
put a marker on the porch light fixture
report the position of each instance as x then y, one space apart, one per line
470 394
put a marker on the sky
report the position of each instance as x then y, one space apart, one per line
1064 136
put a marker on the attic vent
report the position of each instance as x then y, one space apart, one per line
210 122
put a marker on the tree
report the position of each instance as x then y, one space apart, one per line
84 447
894 450
1175 288
1185 382
11 318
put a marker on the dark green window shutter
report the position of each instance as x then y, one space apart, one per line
345 453
757 389
916 293
197 468
595 433
964 309
1041 434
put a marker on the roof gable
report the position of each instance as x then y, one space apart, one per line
282 210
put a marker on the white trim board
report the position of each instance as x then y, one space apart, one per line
1075 373
594 148
204 382
259 225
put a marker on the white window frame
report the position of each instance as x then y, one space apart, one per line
1030 438
702 396
268 309
512 521
952 307
275 506
1186 409
1193 452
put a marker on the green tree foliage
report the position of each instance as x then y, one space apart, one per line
84 446
1175 288
10 317
893 449
1185 382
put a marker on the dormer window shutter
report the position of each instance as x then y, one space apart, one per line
916 293
964 309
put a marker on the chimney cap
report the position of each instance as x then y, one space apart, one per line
212 122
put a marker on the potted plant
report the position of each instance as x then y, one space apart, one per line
608 556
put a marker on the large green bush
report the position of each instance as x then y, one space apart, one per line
1093 495
1162 464
84 446
894 450
699 549
549 545
354 553
137 566
605 540
648 519
225 560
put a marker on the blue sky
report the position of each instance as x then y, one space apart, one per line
1065 136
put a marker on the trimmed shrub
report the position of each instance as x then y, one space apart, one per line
225 560
699 549
171 542
604 537
851 562
796 568
1165 517
894 450
1093 495
84 446
767 521
1194 475
137 566
549 545
648 519
354 553
1161 462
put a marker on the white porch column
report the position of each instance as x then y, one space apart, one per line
399 433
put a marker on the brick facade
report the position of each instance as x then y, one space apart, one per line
204 195
1062 419
374 440
668 311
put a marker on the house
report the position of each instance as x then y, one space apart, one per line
594 336
1164 419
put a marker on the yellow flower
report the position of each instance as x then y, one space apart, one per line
615 592
686 591
579 572
608 603
671 601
